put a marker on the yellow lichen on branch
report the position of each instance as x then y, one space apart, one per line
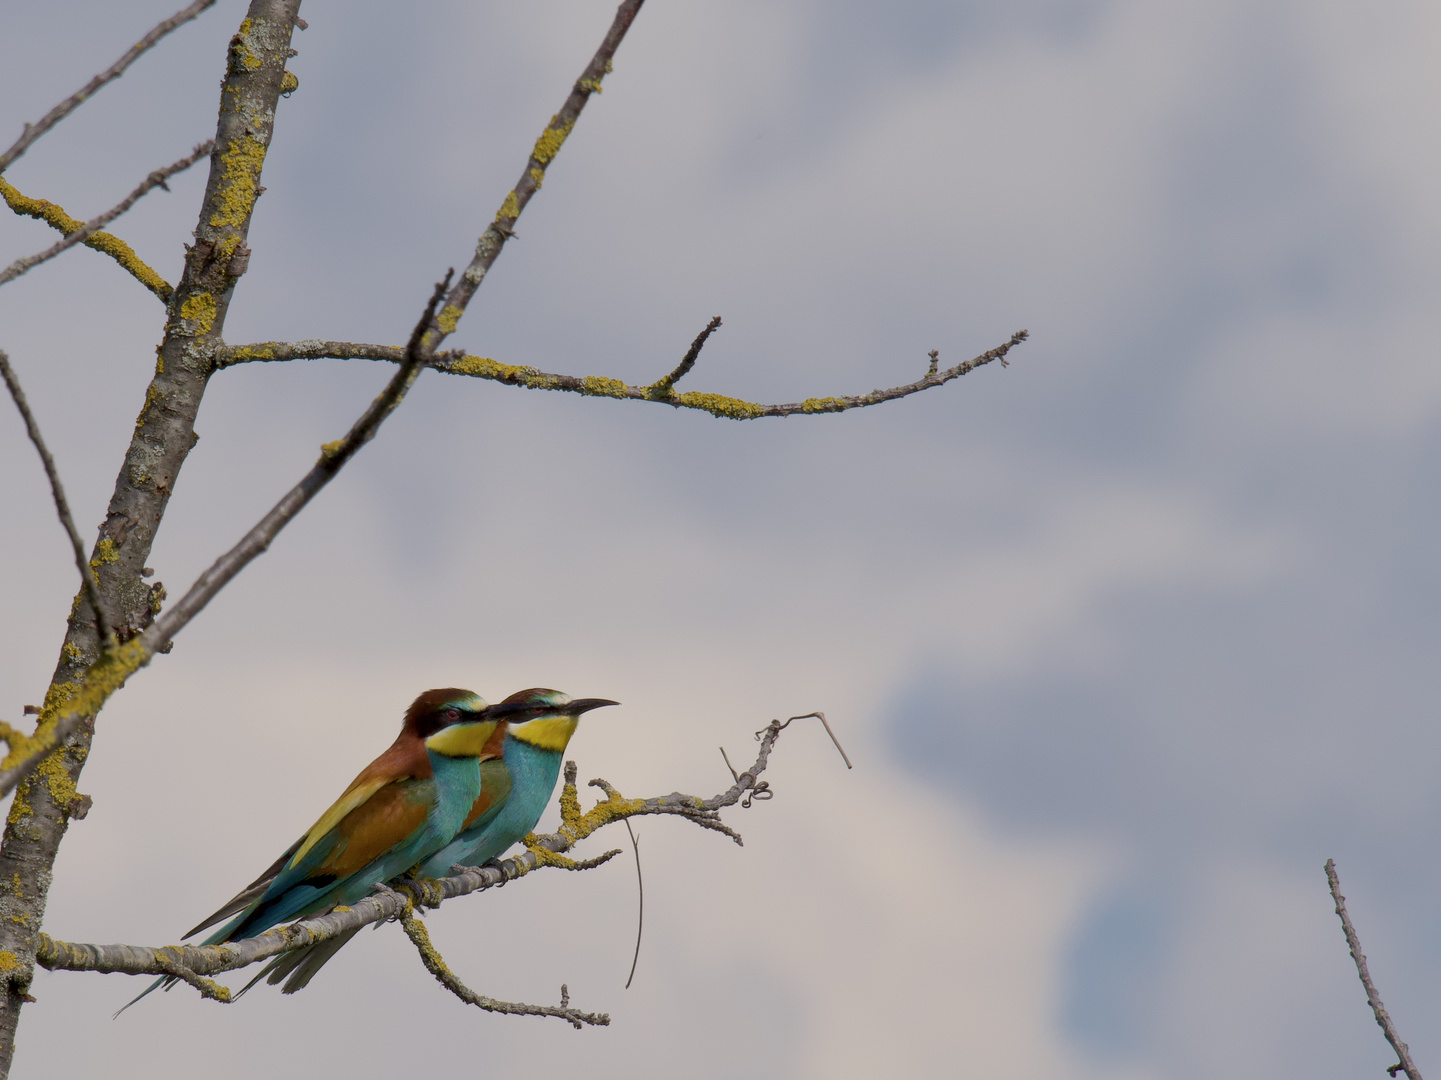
62 701
104 242
239 182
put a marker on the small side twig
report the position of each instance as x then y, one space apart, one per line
662 388
435 964
1373 996
824 723
91 587
156 179
114 71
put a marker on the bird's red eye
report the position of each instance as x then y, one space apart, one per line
452 714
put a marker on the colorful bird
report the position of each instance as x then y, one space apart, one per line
535 728
534 742
405 805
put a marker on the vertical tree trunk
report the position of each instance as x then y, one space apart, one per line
164 435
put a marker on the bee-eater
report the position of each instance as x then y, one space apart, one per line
405 805
533 743
535 728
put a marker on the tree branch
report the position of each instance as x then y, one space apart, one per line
88 584
481 367
109 673
387 904
90 230
114 71
435 964
492 241
1373 996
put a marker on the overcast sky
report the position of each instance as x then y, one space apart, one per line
1125 639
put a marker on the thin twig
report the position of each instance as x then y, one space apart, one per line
113 668
94 225
107 243
75 100
435 964
333 457
688 360
1373 996
492 240
91 587
824 723
640 903
719 405
385 905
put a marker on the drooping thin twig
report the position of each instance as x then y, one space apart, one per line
114 71
1373 996
389 904
435 964
718 405
88 230
687 361
103 622
117 664
640 903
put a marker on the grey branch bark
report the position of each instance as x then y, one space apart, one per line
94 225
88 584
719 405
163 436
114 71
1373 996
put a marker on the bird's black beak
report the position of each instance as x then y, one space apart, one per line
584 705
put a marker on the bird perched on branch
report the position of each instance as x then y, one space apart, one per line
534 729
403 807
533 744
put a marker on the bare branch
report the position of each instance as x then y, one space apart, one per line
530 378
435 964
87 231
388 904
1373 996
114 71
103 622
687 362
109 673
492 241
333 457
106 243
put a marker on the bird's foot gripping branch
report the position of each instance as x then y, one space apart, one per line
195 964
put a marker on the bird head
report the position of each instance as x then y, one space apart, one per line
453 722
545 718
